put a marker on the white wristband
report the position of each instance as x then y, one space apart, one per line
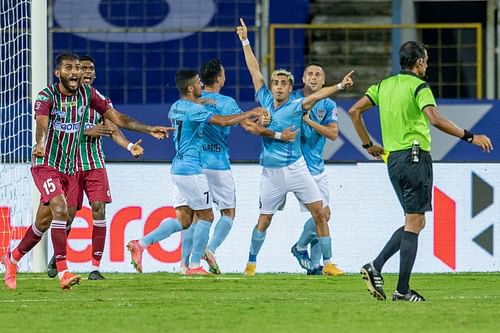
277 135
340 86
245 42
129 147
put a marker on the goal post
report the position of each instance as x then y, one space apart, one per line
39 67
23 72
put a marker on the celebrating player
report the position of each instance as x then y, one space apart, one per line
284 169
91 175
59 111
318 125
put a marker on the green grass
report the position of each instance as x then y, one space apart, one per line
233 303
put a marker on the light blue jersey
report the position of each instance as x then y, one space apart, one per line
215 149
187 118
324 112
276 153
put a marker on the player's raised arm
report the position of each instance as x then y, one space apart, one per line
309 101
250 59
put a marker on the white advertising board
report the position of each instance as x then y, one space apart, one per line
460 233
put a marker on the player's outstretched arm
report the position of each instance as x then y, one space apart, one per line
250 59
309 101
124 121
120 139
237 118
42 125
99 130
447 126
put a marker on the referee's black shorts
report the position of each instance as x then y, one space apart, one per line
411 181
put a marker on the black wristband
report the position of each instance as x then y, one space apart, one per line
368 145
468 136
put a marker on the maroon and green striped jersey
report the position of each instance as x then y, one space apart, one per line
91 154
66 114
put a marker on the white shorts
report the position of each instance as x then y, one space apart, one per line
191 191
222 189
275 183
324 189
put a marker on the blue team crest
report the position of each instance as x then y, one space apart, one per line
321 113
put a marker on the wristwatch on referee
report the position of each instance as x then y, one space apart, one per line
367 145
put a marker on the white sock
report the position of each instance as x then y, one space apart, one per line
60 274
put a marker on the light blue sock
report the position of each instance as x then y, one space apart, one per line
316 253
200 240
258 238
308 234
326 247
163 231
221 231
187 243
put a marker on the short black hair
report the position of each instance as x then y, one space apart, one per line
210 70
410 52
183 79
87 58
65 56
314 63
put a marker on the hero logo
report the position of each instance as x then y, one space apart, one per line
116 239
183 16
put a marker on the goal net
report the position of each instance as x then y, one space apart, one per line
15 125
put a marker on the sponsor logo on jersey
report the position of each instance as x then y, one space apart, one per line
81 110
88 126
69 104
321 114
67 127
59 113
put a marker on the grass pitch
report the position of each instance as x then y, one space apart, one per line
164 302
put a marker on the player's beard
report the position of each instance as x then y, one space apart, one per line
69 85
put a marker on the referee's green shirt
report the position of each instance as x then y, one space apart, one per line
401 99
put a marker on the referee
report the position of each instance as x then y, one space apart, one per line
407 106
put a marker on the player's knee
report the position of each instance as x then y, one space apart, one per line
98 210
59 210
43 224
327 213
264 222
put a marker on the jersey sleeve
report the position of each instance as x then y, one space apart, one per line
43 104
264 96
331 112
98 102
424 96
110 103
372 93
233 107
199 114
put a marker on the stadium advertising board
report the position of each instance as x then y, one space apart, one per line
459 236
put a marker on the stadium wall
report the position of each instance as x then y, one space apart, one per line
460 235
